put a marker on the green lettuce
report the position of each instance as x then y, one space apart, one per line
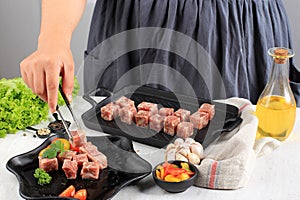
20 108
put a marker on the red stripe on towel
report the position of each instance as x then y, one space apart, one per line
213 171
244 106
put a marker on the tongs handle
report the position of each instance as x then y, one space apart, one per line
69 106
64 123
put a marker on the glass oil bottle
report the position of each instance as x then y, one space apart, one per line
276 106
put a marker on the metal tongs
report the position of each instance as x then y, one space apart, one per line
72 113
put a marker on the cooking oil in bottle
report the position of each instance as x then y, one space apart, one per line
276 117
276 107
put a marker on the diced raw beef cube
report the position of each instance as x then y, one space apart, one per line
183 114
170 124
208 108
166 111
70 168
48 164
127 114
124 102
156 122
66 155
185 129
147 106
80 159
79 138
110 111
90 170
199 119
93 154
142 118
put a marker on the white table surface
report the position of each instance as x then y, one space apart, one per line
276 176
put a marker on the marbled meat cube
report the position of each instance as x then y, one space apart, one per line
110 111
183 114
170 124
156 122
124 102
80 158
185 129
166 111
199 120
93 154
70 168
208 108
90 170
79 138
48 164
127 114
66 155
147 106
142 118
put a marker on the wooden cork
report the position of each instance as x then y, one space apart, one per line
282 54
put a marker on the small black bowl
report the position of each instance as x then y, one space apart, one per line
176 187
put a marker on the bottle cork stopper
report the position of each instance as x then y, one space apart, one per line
282 55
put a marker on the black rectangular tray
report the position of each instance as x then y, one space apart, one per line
227 117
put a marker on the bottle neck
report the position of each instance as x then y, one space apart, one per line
280 72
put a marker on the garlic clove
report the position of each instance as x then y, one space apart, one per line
171 154
193 158
179 156
198 150
170 146
184 151
178 141
189 141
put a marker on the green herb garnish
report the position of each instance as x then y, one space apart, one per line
55 148
42 176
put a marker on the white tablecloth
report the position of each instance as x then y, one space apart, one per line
276 176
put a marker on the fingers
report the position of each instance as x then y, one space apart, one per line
52 82
41 70
68 79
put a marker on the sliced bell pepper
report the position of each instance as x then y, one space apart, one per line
183 176
171 178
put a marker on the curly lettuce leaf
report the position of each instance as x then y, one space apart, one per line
20 108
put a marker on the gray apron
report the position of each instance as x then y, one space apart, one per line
209 48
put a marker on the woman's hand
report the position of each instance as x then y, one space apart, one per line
42 69
53 57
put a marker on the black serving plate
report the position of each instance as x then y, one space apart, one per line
227 117
124 167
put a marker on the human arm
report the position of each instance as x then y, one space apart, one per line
53 58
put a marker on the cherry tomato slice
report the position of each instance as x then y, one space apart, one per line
69 192
81 194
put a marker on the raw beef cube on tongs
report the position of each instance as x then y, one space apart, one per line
79 138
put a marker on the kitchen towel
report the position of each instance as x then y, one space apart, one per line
230 160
